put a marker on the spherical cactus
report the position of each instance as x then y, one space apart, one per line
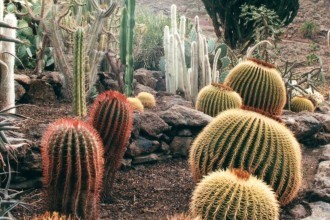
72 156
225 195
215 98
147 99
299 104
259 84
250 141
51 216
136 104
111 116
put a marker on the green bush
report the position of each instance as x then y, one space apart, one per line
309 29
148 40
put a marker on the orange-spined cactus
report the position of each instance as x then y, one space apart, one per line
111 115
72 154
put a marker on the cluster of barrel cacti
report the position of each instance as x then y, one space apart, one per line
141 101
242 150
80 159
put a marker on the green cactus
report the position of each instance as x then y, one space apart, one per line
72 157
126 44
80 108
250 141
234 194
299 103
111 116
216 98
259 84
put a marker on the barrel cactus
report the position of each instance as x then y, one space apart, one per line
72 156
299 103
250 141
259 84
111 116
51 216
215 98
148 100
234 194
136 104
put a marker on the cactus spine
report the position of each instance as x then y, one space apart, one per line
215 98
79 74
111 116
7 83
234 194
250 141
72 156
299 104
259 84
126 44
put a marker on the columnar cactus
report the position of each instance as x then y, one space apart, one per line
79 74
234 194
216 98
250 141
299 104
72 156
147 99
7 83
259 84
111 115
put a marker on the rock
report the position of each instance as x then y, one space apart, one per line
19 91
320 211
152 124
142 146
323 109
22 79
165 147
110 84
166 101
179 115
145 77
55 79
181 146
141 88
150 158
185 133
322 182
126 163
41 92
325 153
298 212
136 125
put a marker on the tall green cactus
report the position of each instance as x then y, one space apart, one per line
126 44
79 74
111 116
250 141
260 85
234 194
72 157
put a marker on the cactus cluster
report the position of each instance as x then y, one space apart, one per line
259 84
234 194
147 99
299 103
216 98
250 141
72 156
111 116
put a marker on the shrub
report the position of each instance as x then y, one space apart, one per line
309 29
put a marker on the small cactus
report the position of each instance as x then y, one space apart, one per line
216 98
259 84
299 103
147 99
72 156
136 104
51 216
234 194
111 116
247 140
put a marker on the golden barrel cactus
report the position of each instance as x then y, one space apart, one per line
234 194
250 141
259 84
148 100
216 98
136 104
299 104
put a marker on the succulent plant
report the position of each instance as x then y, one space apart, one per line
216 98
111 116
147 99
299 104
234 194
136 104
259 84
51 216
72 156
247 140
